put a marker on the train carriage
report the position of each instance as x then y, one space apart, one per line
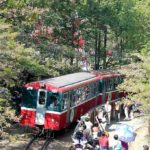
57 102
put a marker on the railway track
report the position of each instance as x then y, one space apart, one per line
48 139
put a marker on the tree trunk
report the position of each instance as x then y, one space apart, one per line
71 60
105 45
96 51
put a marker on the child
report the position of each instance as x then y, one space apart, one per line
117 144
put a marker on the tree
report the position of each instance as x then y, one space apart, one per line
137 80
16 64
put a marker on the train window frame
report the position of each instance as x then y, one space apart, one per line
105 85
72 98
77 96
111 84
38 101
28 99
115 82
97 87
101 86
83 94
54 103
50 105
66 102
80 94
87 92
93 89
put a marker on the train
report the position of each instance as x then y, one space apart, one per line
57 102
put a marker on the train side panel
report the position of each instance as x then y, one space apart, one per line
28 117
55 121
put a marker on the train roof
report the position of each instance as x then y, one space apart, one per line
106 73
69 79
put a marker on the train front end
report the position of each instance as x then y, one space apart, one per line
40 107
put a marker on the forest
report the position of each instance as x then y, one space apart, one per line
40 39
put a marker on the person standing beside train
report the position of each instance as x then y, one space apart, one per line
108 109
117 111
88 125
126 111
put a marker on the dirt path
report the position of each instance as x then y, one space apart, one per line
141 139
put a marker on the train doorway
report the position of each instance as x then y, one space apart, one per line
41 107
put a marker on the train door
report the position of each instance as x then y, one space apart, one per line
70 104
68 100
41 107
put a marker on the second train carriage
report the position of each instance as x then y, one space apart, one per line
56 102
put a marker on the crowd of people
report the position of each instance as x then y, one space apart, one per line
94 136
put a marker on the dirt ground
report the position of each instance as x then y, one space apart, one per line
142 139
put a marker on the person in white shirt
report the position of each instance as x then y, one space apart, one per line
117 143
101 120
88 125
108 111
126 111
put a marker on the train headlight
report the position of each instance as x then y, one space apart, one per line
53 120
29 88
42 85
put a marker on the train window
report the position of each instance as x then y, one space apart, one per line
29 98
101 86
92 86
79 94
42 97
104 85
97 87
87 92
115 82
73 98
107 84
53 101
111 84
65 101
83 93
92 89
118 80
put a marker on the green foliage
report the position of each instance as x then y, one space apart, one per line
6 112
137 81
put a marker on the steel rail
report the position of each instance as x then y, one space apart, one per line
31 141
46 143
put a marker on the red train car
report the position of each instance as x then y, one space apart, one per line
57 102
